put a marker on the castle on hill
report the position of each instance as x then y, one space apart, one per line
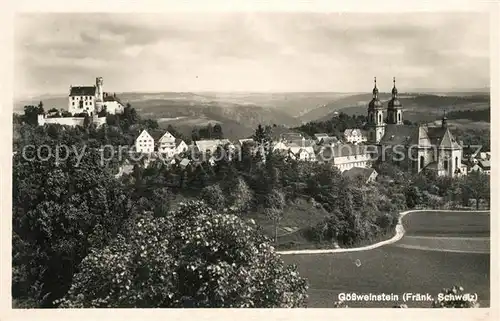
90 100
432 148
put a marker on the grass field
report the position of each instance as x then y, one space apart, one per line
394 269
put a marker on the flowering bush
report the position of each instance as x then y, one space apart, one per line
194 257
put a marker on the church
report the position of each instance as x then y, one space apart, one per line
431 148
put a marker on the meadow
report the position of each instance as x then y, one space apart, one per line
396 269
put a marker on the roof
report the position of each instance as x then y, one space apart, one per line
184 162
82 91
485 164
178 141
321 135
297 150
291 136
341 150
354 172
112 98
351 131
167 137
301 142
144 134
329 140
399 134
245 140
212 144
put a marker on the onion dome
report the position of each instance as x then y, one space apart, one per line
375 102
394 102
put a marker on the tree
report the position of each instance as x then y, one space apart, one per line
275 204
60 211
476 185
213 197
194 258
217 131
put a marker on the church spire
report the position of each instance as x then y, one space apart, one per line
394 89
444 121
375 89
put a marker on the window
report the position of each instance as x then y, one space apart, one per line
399 116
456 162
445 164
421 162
380 118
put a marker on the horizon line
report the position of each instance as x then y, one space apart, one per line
412 91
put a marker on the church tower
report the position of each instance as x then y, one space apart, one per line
395 109
376 125
99 94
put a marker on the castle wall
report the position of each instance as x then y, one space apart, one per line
69 121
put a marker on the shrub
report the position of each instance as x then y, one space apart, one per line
194 258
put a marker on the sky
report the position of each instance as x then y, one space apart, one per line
261 52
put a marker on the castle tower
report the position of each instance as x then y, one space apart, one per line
376 123
99 94
395 108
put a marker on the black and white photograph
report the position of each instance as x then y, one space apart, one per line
251 159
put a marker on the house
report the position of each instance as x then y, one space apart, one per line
210 145
345 156
424 147
331 140
291 136
112 104
354 136
483 166
180 146
321 136
145 143
166 145
302 153
367 174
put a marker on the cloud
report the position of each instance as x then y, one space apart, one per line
244 51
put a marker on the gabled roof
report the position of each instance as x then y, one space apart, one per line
178 141
82 91
144 135
359 171
484 164
167 137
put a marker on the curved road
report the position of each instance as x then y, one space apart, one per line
431 250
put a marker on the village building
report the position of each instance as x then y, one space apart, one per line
345 156
145 143
483 166
354 136
366 174
424 147
321 136
166 145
